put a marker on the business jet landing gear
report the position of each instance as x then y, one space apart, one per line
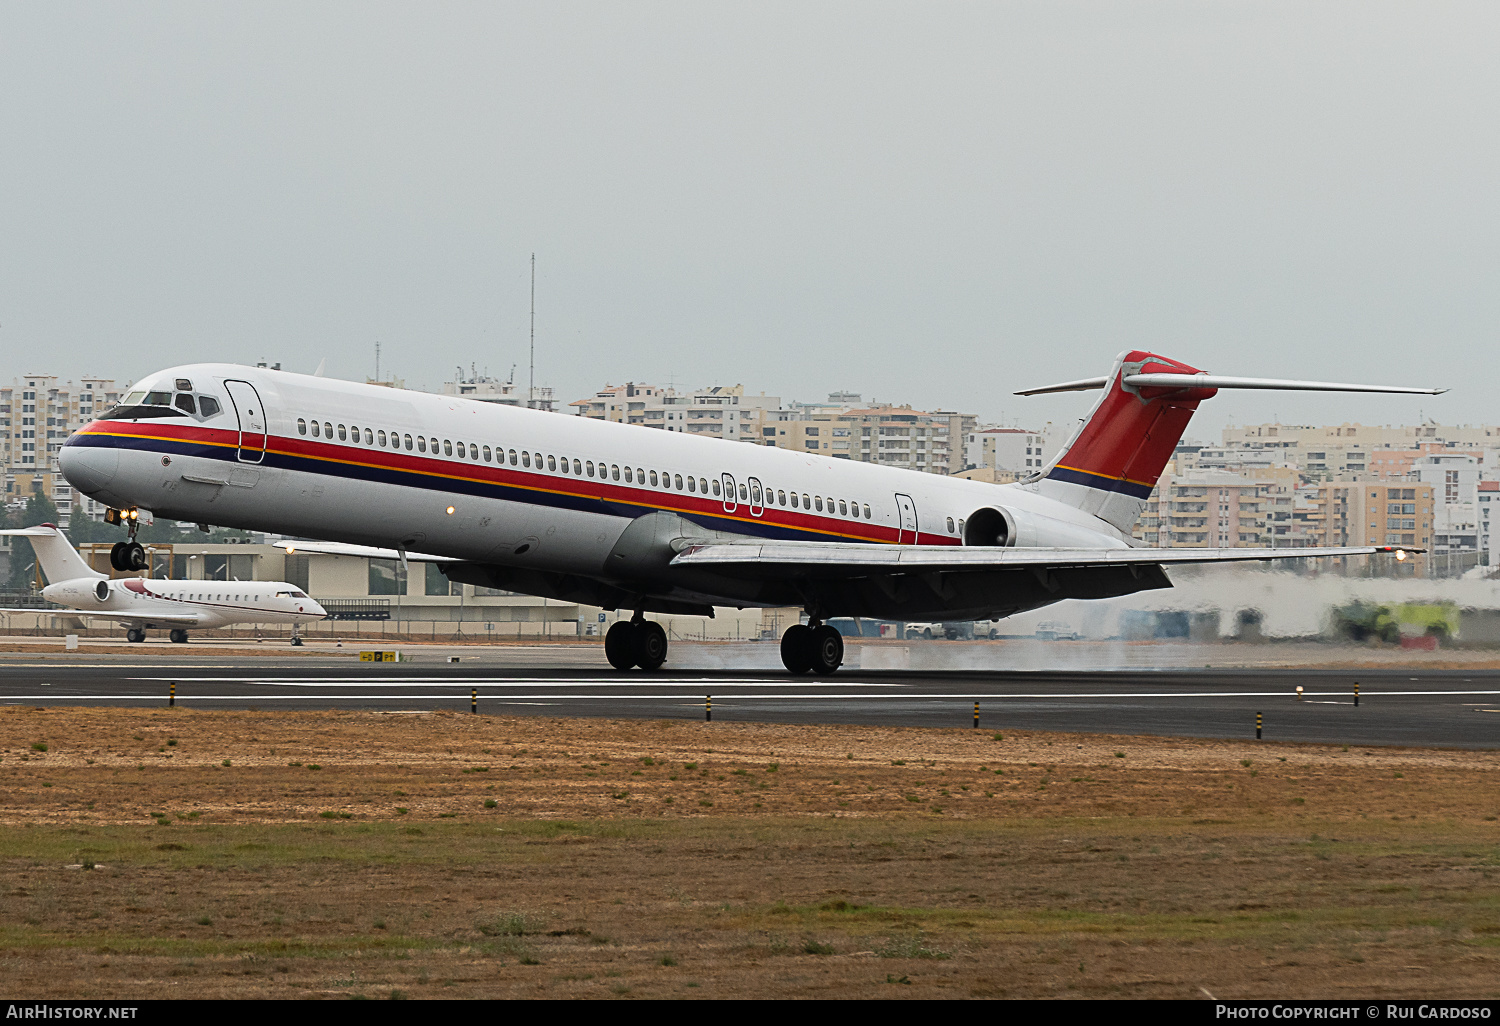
128 557
637 642
812 648
178 636
135 635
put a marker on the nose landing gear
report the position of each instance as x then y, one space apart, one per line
127 556
637 642
812 648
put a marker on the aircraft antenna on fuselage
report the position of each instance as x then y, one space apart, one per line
531 395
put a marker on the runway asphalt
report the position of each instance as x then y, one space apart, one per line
1429 709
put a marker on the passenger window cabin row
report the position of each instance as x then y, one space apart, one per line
664 480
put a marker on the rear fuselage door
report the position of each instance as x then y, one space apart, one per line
907 511
252 415
730 502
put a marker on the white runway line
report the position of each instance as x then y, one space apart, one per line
535 682
690 697
711 683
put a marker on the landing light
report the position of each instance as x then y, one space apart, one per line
290 549
450 511
1400 554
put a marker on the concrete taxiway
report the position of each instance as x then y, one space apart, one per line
1452 708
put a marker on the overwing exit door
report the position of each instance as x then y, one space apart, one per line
252 416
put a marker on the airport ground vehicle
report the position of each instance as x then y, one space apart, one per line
624 517
1056 630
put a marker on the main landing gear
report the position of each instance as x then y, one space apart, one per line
135 635
636 642
178 636
814 648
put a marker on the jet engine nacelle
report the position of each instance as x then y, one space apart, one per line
1016 528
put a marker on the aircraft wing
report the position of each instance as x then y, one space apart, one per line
835 559
367 551
176 620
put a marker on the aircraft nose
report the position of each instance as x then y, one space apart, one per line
88 468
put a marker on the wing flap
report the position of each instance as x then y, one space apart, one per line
367 551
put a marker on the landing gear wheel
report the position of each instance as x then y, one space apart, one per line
117 556
797 648
827 650
650 645
296 641
619 645
133 555
135 635
178 636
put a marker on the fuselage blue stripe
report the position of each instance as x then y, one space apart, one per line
1100 481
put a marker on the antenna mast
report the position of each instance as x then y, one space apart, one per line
531 396
377 359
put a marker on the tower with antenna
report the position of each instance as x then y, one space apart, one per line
531 385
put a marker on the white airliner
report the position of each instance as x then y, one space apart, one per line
141 603
626 517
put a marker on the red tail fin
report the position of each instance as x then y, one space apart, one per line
1114 459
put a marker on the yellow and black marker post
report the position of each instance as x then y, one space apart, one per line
171 694
976 714
1257 726
1356 692
474 701
708 708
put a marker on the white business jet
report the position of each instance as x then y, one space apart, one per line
626 517
139 603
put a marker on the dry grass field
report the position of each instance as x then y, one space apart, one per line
176 853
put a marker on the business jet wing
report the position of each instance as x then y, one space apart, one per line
175 620
840 560
367 551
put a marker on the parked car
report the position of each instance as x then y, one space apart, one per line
970 630
1056 630
926 631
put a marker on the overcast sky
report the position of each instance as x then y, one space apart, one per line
924 202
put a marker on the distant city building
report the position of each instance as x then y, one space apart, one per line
492 390
1019 450
718 411
37 413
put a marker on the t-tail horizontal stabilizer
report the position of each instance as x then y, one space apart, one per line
1114 459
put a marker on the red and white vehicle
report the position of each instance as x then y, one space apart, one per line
621 516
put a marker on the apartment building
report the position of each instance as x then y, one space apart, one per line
1000 448
492 390
1454 479
1205 510
1370 513
37 413
1368 436
892 436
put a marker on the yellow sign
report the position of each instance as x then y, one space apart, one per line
379 657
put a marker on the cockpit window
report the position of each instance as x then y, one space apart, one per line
292 593
184 385
208 406
184 402
133 399
157 399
